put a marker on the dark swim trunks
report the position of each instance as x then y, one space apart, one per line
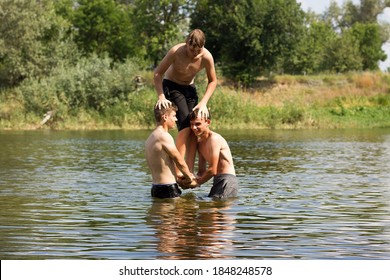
185 97
165 191
224 186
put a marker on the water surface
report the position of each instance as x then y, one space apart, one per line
317 194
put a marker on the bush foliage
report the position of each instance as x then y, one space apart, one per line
80 58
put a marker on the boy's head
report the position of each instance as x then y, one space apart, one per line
195 43
196 39
199 124
159 113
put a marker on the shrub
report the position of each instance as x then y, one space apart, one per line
93 83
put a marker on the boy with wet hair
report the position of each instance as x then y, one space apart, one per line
215 158
163 158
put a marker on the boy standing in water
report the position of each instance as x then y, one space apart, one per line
174 82
214 150
163 157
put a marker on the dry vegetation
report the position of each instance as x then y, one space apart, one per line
280 102
323 101
319 90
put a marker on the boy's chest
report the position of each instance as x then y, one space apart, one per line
187 66
205 151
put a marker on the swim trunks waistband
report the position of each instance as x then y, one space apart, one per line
172 83
164 185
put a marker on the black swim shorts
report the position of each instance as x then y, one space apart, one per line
165 191
185 97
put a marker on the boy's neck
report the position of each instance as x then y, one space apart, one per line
205 135
162 126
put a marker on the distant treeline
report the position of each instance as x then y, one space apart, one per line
75 56
248 38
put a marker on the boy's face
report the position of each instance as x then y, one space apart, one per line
199 126
193 51
170 119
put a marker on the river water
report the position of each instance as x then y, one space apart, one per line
305 194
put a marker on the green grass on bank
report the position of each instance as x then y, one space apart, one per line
355 100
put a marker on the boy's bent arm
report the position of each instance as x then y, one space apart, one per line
212 169
159 74
212 82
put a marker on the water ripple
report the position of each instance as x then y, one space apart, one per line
85 195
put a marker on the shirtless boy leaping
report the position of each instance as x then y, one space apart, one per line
174 82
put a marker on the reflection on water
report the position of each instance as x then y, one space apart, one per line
191 229
304 195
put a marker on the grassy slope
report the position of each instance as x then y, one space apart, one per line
327 101
282 102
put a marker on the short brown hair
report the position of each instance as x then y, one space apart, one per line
158 113
196 38
194 115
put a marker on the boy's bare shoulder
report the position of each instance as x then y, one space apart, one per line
165 137
215 135
207 54
175 48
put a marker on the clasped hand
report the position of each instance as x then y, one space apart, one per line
187 183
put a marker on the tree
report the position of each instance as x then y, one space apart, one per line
309 55
370 9
283 29
159 24
349 14
370 44
249 37
102 26
343 54
241 28
33 40
361 22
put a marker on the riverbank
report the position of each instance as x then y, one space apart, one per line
355 100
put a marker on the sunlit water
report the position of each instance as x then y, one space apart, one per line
304 195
